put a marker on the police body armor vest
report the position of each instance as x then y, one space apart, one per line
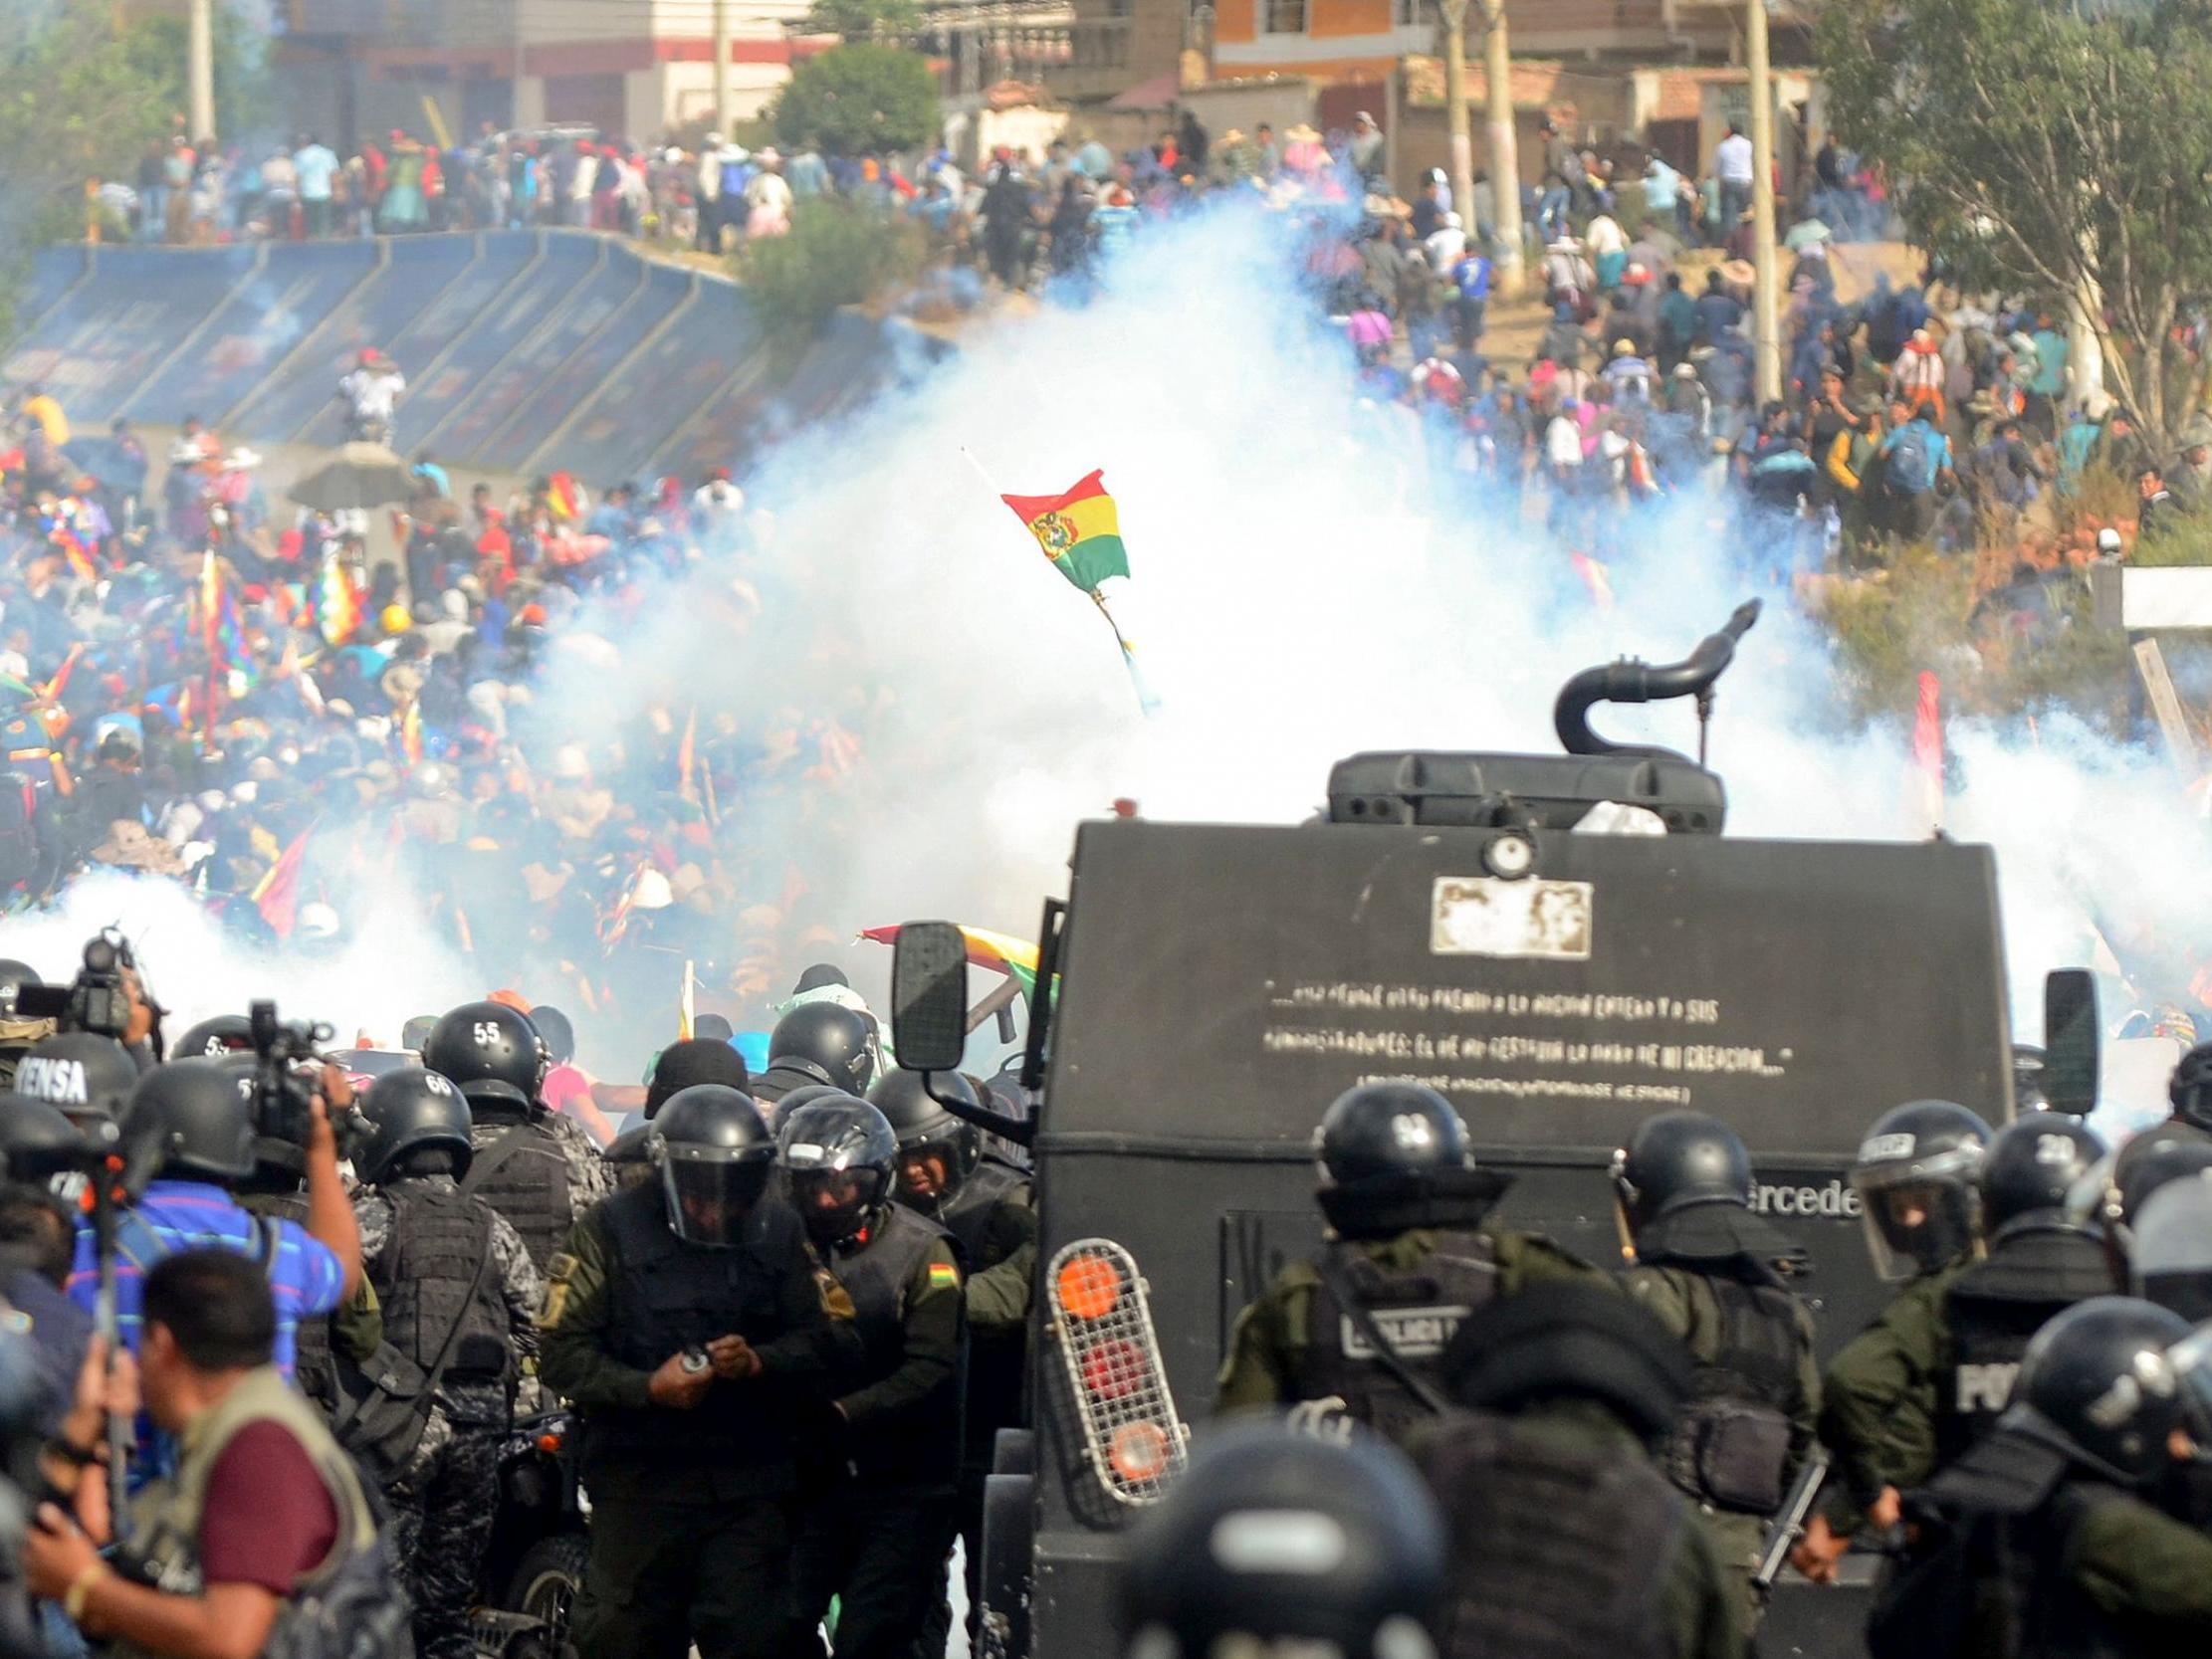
1558 1551
2025 1505
313 1367
922 1441
526 1182
967 1216
439 1236
1416 1310
997 1360
1731 1446
668 1295
1992 1309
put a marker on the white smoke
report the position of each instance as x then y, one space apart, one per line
389 969
1300 591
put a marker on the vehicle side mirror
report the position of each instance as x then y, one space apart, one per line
2070 1040
928 996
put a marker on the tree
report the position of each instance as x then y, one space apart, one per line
860 20
2053 149
859 99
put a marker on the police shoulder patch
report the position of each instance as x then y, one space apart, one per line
943 1275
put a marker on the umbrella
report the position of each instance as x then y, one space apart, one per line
361 476
1016 958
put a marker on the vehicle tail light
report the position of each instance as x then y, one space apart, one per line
1101 1319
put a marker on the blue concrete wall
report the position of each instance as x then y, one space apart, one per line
525 351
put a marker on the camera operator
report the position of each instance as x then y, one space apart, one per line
262 1504
194 1113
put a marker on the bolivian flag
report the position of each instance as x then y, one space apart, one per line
1079 530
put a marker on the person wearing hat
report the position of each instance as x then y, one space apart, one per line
1565 1537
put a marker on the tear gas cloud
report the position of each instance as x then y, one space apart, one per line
1302 590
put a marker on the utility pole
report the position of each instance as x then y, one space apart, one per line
1505 148
199 76
723 118
1456 109
1766 339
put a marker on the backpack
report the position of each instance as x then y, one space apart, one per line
1911 462
355 1608
19 833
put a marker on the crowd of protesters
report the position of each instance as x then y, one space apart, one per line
203 682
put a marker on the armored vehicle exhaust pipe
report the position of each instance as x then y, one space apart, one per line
1630 681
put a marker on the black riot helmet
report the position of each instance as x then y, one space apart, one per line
1679 1158
714 1155
407 1110
37 1142
937 1150
1273 1537
2032 1168
88 1078
1393 1155
2170 1253
14 976
840 1159
198 1117
1571 1339
2191 1088
780 1115
491 1053
2100 1382
1916 1175
1681 1191
840 1040
2116 1192
213 1038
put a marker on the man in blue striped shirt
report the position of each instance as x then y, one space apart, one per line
204 1121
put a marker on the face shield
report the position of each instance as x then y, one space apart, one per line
2171 1257
711 1191
2191 1359
1919 1213
831 1193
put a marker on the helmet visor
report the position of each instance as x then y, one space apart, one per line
709 1194
834 1202
1918 1215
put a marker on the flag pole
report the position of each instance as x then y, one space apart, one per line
1145 700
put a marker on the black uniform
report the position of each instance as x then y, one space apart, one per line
1993 1308
453 1280
690 1534
538 1171
876 1520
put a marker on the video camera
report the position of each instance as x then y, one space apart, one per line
97 1000
283 1100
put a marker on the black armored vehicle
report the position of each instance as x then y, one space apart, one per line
1495 927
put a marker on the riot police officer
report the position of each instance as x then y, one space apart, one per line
695 1334
1566 1540
945 1172
1716 1275
874 1534
1372 1593
2170 1261
459 1297
1930 1379
821 1042
1363 1325
537 1169
2048 1521
2189 1092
